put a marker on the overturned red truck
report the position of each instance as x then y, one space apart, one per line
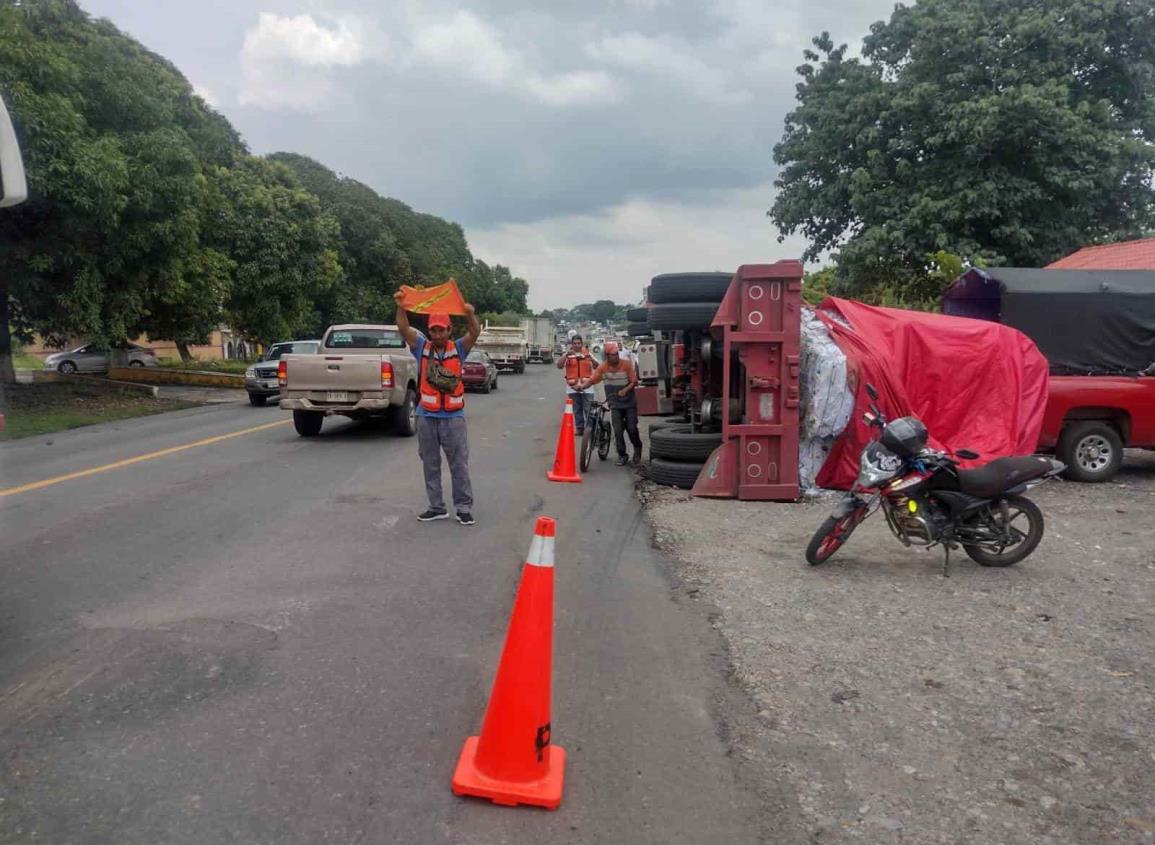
1052 363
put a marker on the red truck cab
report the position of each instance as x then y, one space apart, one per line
1090 419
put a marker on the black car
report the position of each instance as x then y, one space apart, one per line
261 378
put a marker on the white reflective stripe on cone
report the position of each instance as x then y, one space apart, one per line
540 551
569 407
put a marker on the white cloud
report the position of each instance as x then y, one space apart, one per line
614 253
207 94
466 45
669 58
287 61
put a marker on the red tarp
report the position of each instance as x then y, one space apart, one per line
975 384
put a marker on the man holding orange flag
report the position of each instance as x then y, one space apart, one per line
441 409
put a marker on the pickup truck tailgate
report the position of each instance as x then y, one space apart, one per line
355 373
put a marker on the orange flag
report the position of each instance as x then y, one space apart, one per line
444 299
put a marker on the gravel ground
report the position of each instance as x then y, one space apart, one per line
997 706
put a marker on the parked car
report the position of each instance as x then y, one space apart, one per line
479 372
95 358
261 378
360 371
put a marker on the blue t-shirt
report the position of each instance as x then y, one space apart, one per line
418 351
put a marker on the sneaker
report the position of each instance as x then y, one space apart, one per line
465 518
637 458
432 515
623 460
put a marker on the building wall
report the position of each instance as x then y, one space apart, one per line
223 344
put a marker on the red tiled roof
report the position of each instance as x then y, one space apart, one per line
1128 255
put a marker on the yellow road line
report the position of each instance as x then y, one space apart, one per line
48 482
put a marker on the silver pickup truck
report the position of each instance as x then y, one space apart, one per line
359 371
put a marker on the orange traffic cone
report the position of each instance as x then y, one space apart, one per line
564 460
513 762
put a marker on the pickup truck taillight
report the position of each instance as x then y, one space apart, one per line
386 375
282 373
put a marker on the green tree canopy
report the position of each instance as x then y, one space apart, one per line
1005 131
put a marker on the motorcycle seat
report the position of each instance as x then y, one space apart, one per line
1001 475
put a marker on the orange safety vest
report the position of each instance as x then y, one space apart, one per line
432 399
578 369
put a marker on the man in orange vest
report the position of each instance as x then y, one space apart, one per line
441 409
578 365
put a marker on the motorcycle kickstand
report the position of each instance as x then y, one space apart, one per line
946 547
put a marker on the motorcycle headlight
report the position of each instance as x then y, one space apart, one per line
876 465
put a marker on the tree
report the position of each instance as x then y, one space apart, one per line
114 143
283 249
1002 131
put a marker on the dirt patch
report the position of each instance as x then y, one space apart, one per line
999 705
42 408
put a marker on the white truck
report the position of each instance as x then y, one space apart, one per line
506 346
539 335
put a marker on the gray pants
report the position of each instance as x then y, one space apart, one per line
433 436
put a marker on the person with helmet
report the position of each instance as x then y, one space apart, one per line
578 364
441 409
621 380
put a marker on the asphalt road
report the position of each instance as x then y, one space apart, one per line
253 640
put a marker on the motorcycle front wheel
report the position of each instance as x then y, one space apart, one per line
832 534
1025 522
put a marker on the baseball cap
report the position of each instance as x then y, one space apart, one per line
439 319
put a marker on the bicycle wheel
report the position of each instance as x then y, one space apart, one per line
587 448
604 440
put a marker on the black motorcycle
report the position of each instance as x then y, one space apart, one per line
928 500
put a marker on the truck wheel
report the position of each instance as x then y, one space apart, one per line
308 423
682 443
689 287
1092 451
682 316
257 400
405 417
674 473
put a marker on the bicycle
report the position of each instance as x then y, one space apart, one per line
597 434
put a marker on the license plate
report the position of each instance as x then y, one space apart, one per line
336 396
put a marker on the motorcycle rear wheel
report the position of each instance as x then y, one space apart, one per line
1022 512
832 535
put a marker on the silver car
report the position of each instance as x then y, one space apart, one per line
95 358
261 378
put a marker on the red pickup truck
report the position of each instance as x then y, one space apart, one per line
1097 331
1089 419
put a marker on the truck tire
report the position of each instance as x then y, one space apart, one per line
674 473
308 423
1091 449
638 315
682 443
638 329
404 417
682 316
689 287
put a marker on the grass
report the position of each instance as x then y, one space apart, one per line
235 367
27 362
34 409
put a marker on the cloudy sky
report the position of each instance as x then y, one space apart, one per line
587 144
